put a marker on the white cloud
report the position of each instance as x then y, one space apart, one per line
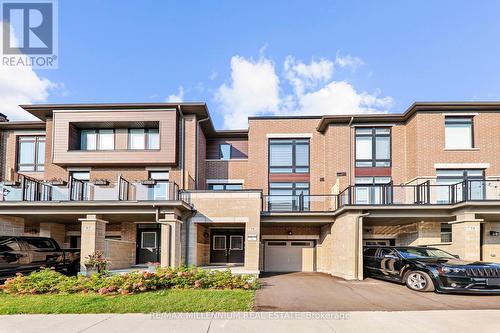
176 98
21 85
348 61
303 76
255 89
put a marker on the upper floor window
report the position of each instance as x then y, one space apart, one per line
373 147
97 139
31 153
225 187
289 155
143 138
458 132
225 151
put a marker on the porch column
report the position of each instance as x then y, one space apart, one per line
466 236
92 237
54 230
346 242
170 253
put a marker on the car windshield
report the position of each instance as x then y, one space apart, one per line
424 254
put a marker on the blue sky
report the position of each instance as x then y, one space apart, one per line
271 57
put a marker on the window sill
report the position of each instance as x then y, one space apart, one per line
461 149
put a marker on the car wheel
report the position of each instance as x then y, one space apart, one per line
419 281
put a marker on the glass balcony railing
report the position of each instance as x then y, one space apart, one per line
28 189
386 195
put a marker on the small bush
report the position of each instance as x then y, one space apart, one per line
47 281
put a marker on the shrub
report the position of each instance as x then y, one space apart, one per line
48 281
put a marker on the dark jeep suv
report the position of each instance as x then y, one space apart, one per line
429 269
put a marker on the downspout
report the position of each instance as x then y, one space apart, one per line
183 145
358 235
350 150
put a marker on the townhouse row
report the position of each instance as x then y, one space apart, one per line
156 182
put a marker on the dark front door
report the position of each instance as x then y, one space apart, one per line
227 246
148 244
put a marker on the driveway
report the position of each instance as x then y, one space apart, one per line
322 292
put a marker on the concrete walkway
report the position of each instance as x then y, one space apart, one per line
385 322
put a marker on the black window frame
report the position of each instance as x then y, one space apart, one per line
36 167
295 194
373 135
146 139
98 138
294 142
470 120
230 151
447 231
224 186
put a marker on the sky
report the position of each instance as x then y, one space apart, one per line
248 58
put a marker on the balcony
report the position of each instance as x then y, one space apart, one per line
29 189
386 195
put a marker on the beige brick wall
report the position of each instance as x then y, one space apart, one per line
57 231
229 209
11 226
121 254
491 244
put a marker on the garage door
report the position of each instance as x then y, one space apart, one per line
289 256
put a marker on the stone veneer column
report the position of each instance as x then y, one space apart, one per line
170 252
92 237
466 236
54 230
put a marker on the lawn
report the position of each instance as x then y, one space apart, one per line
171 300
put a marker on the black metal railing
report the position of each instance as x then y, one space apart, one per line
30 189
389 194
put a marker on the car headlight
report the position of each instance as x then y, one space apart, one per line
452 270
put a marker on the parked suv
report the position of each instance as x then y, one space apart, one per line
27 254
429 269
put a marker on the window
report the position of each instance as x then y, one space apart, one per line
370 252
289 156
143 138
225 187
148 239
275 243
97 139
235 242
452 186
458 132
446 233
160 190
301 244
373 147
40 244
225 151
31 153
372 190
219 242
386 252
288 196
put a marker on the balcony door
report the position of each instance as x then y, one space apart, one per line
160 190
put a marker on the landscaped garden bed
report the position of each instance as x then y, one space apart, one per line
166 290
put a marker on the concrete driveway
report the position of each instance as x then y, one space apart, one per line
321 292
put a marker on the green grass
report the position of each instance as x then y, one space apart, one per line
172 300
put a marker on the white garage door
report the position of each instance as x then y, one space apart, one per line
289 256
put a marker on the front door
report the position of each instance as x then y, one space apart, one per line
148 244
227 246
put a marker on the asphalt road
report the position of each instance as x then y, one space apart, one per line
321 292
